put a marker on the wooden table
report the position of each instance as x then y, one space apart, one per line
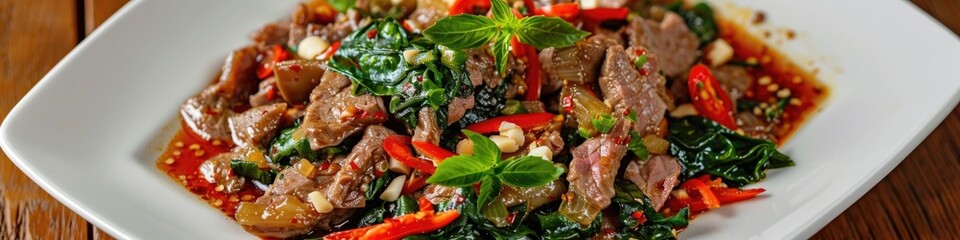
917 200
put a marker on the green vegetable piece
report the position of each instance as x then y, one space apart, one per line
459 171
636 145
252 171
699 19
630 199
489 189
501 51
484 150
496 213
376 187
462 31
543 32
642 59
558 226
603 123
405 205
529 171
513 107
704 146
503 15
343 5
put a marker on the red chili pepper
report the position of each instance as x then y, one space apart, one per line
414 183
330 51
706 195
469 7
266 66
526 121
638 215
399 227
533 74
567 103
604 14
566 11
398 147
708 98
425 205
732 195
437 153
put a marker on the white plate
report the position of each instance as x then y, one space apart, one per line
90 131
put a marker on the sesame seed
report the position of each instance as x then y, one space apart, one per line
168 161
198 153
247 197
217 202
178 144
796 102
194 146
234 199
763 81
182 177
216 142
783 93
773 87
176 153
219 188
797 79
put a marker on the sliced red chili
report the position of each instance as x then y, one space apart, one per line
437 153
398 147
399 227
706 195
330 51
277 54
526 121
604 14
533 78
566 11
414 183
708 98
469 7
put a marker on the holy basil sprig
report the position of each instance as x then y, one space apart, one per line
484 166
467 31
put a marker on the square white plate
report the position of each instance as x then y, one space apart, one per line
90 131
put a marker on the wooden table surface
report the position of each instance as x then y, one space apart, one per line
918 200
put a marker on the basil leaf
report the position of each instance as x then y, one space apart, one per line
633 114
343 5
489 189
405 205
372 58
503 14
705 146
630 200
485 152
603 123
543 32
462 31
459 171
252 171
636 146
529 171
501 51
376 187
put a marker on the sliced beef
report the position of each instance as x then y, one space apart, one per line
578 64
656 176
258 125
428 12
591 174
206 114
216 170
670 40
267 93
550 84
297 78
357 169
757 127
458 107
335 113
271 34
304 24
482 68
534 197
733 79
427 129
533 106
437 194
625 89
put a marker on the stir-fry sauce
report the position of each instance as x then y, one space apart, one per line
181 161
805 92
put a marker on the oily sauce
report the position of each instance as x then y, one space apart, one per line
181 161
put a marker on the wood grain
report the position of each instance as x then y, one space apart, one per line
916 201
34 35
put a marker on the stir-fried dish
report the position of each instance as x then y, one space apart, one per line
488 119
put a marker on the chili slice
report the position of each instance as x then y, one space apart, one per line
708 98
398 147
416 181
526 121
330 51
469 7
437 153
706 195
567 11
278 54
420 222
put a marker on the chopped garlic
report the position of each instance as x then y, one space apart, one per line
684 110
506 145
512 131
411 56
398 167
320 202
311 46
392 192
719 52
543 152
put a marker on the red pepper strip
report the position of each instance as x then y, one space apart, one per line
708 98
732 195
566 11
400 227
266 68
533 74
437 153
425 205
469 7
604 14
330 51
526 121
398 147
706 195
414 183
531 8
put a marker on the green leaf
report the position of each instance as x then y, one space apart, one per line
484 150
504 15
376 187
462 31
489 189
501 51
252 171
636 145
603 123
459 171
529 171
343 5
406 204
642 59
543 32
632 115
